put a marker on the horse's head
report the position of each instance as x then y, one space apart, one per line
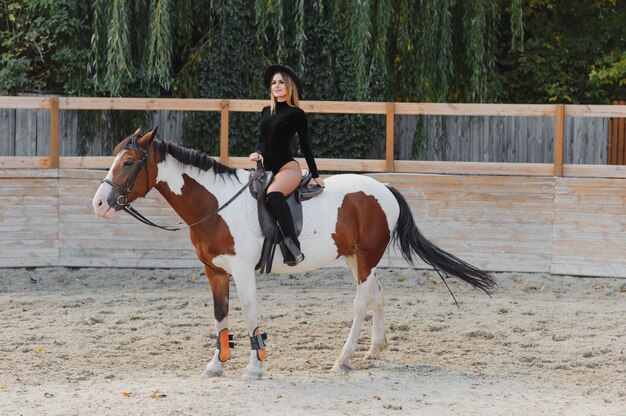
131 176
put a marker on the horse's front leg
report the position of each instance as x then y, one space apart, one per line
220 288
246 287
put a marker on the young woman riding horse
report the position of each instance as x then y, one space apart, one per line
356 217
279 122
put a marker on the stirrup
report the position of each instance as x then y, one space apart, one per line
298 259
295 252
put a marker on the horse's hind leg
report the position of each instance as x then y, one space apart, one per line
220 288
368 292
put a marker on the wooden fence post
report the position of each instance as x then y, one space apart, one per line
224 132
389 136
617 138
54 132
559 133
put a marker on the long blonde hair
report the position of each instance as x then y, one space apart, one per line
292 92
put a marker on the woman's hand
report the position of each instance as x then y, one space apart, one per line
255 157
319 181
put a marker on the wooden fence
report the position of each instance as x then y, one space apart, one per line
514 139
545 217
26 132
559 113
544 224
501 139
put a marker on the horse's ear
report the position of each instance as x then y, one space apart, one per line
138 132
147 139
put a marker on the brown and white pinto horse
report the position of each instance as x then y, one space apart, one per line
356 217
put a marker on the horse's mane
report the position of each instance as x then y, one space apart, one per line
193 157
185 156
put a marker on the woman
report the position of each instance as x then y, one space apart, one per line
279 122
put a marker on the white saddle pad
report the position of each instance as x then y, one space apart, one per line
313 221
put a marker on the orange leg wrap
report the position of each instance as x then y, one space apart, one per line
224 345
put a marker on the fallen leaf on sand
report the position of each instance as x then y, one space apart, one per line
157 395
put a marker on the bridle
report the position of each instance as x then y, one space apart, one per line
123 191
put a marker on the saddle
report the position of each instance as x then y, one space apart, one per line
269 227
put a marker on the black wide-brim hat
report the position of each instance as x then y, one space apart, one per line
269 72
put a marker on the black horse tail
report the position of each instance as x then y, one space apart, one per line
411 241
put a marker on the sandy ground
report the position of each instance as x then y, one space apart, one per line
135 342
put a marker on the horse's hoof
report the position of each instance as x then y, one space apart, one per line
372 354
342 367
212 374
253 375
211 371
375 350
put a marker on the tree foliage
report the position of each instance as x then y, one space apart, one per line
572 53
530 51
43 46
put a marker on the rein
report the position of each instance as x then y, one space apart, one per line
122 199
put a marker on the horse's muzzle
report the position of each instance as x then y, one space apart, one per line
105 202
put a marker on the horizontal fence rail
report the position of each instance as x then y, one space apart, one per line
390 109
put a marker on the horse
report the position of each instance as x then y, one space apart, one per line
355 217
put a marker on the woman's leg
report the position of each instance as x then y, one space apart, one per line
287 179
284 183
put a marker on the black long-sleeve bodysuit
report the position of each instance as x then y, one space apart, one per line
276 132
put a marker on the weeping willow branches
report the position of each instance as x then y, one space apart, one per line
159 49
475 27
300 37
97 41
269 17
517 25
383 20
423 50
118 47
436 50
132 43
359 37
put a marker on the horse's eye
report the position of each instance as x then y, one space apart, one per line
128 163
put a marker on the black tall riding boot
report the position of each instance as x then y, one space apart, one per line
280 209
